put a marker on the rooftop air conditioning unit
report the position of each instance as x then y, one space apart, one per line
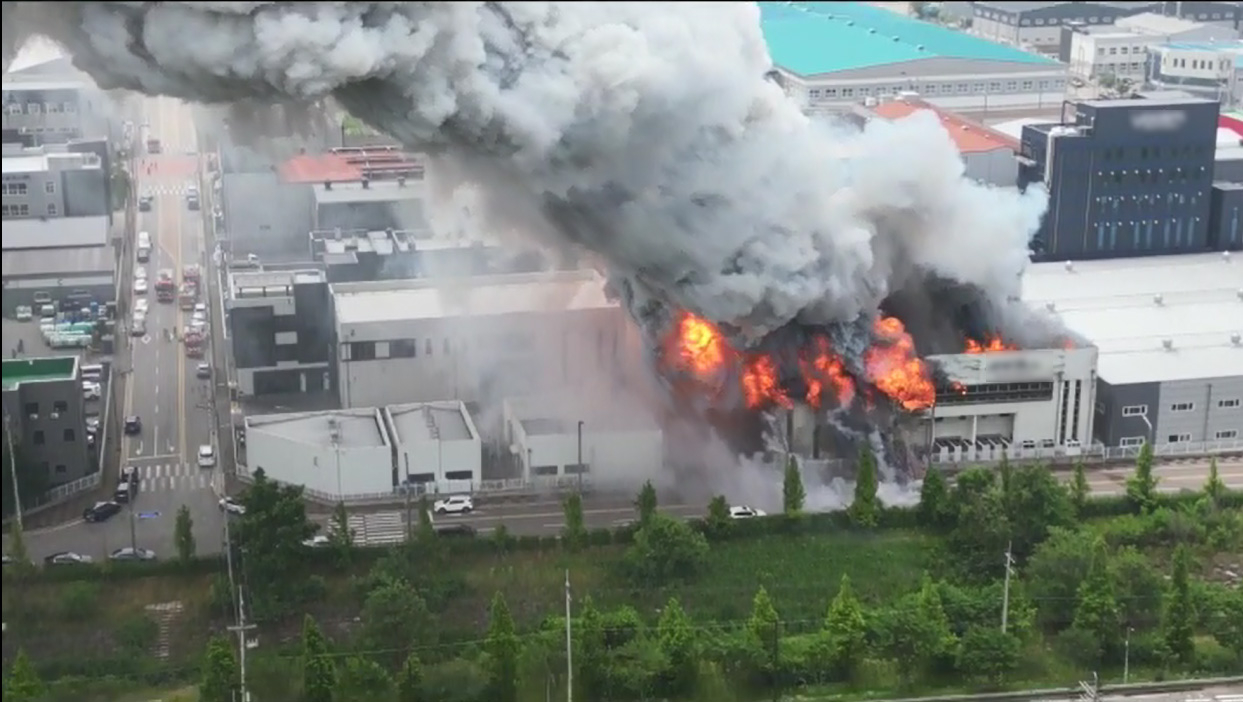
1168 344
1225 256
1158 299
1070 266
1236 339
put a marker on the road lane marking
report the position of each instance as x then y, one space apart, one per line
138 451
155 442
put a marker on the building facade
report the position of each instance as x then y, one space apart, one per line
335 454
42 184
353 256
1039 25
1225 227
477 339
1125 178
64 261
436 446
53 111
45 416
1206 69
280 330
1200 411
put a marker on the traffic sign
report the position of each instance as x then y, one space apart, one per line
148 515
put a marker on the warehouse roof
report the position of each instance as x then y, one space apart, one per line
391 300
1129 308
55 232
970 137
431 421
67 260
810 38
374 191
356 428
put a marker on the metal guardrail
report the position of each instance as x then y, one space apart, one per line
1096 453
1073 693
63 493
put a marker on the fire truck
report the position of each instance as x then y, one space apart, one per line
195 341
188 296
190 273
165 288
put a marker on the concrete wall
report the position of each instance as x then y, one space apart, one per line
610 451
363 469
1195 410
435 459
997 167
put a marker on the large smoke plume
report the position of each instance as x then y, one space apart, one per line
647 133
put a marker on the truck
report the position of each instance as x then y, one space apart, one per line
191 273
165 288
188 296
194 341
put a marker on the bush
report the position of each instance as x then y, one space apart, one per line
137 633
79 601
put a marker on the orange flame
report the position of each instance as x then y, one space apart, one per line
992 344
759 384
896 370
827 367
701 346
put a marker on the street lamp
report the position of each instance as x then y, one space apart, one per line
580 456
1126 657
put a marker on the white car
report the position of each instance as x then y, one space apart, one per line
140 306
130 553
91 391
24 313
207 456
317 541
140 272
232 506
68 558
140 286
745 512
457 504
199 320
200 308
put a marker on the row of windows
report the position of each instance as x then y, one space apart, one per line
1185 437
1197 64
1142 234
427 348
1142 410
20 188
1150 176
35 108
38 439
15 210
1012 86
1007 18
1149 201
1120 153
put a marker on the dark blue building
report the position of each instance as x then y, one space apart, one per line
1125 177
1225 218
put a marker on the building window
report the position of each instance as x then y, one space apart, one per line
1227 434
427 348
37 437
60 407
17 189
1135 411
1131 441
61 469
22 210
362 351
32 409
33 108
51 209
1182 406
1232 403
403 348
49 187
69 435
1179 438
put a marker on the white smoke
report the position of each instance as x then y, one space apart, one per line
644 132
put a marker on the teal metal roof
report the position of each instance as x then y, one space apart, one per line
809 38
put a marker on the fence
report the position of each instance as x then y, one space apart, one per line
63 493
1097 453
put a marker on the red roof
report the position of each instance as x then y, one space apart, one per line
971 137
306 168
351 164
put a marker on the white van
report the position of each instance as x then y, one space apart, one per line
92 373
144 240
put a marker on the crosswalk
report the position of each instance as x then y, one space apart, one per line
174 477
377 528
167 188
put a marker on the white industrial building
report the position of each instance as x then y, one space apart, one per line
338 454
1033 402
829 55
1170 334
477 339
562 437
1208 69
1121 51
438 448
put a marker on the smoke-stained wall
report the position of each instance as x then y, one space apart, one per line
266 216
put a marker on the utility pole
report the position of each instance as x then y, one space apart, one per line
569 648
408 487
241 629
1126 657
580 456
17 495
1005 598
133 530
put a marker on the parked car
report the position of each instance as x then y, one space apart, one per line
140 286
232 506
457 504
207 456
92 424
91 391
745 512
129 474
145 202
133 425
317 541
129 553
202 370
68 558
101 511
124 493
456 530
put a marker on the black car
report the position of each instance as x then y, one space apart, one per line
133 425
129 474
124 493
456 530
101 511
144 203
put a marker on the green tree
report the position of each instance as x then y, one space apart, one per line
981 534
183 535
271 532
17 545
718 521
1055 572
410 681
1178 624
935 510
845 629
341 535
23 684
865 508
1036 503
676 641
574 534
988 654
1005 475
792 493
220 672
503 650
1080 491
319 676
764 629
1141 488
394 620
1140 587
666 550
591 657
1226 621
1096 607
645 503
1214 488
363 679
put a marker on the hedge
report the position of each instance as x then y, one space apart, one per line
890 518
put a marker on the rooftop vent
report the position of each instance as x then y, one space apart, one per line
1158 299
872 30
1239 293
401 181
1050 306
1167 344
327 185
366 182
896 38
1236 339
1070 266
1225 256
